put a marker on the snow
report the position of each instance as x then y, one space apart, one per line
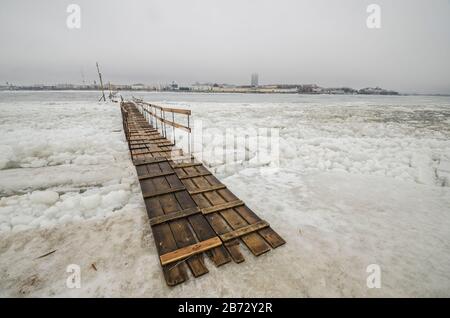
45 197
62 162
353 138
360 181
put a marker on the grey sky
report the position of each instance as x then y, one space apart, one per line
285 41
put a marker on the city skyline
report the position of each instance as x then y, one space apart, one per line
211 88
210 41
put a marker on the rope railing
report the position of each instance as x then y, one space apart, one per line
155 113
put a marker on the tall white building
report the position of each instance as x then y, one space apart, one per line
254 79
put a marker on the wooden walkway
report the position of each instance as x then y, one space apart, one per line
191 212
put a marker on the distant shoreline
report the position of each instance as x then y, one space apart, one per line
220 92
212 88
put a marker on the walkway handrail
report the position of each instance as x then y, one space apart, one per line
150 112
167 109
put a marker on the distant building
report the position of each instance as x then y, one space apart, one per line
137 86
202 87
309 88
254 81
376 91
58 86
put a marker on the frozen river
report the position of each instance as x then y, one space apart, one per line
357 180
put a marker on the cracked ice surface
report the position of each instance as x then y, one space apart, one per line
362 180
62 161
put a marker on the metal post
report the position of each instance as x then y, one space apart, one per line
189 137
173 127
101 83
164 117
162 123
156 120
151 117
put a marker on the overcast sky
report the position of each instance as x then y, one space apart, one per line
286 41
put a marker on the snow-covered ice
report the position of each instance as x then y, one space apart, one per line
361 180
62 161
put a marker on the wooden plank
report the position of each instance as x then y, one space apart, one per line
140 162
142 130
269 235
255 243
138 148
221 207
148 142
157 151
176 125
190 250
161 141
272 237
167 109
142 151
150 134
185 165
195 175
182 159
173 216
164 144
207 189
163 236
178 110
147 139
181 230
158 174
147 195
219 225
178 229
198 222
244 230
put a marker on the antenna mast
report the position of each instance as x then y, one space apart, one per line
110 91
101 84
82 76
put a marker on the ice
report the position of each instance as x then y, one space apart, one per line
45 197
6 156
62 162
90 202
115 199
443 172
400 139
360 180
